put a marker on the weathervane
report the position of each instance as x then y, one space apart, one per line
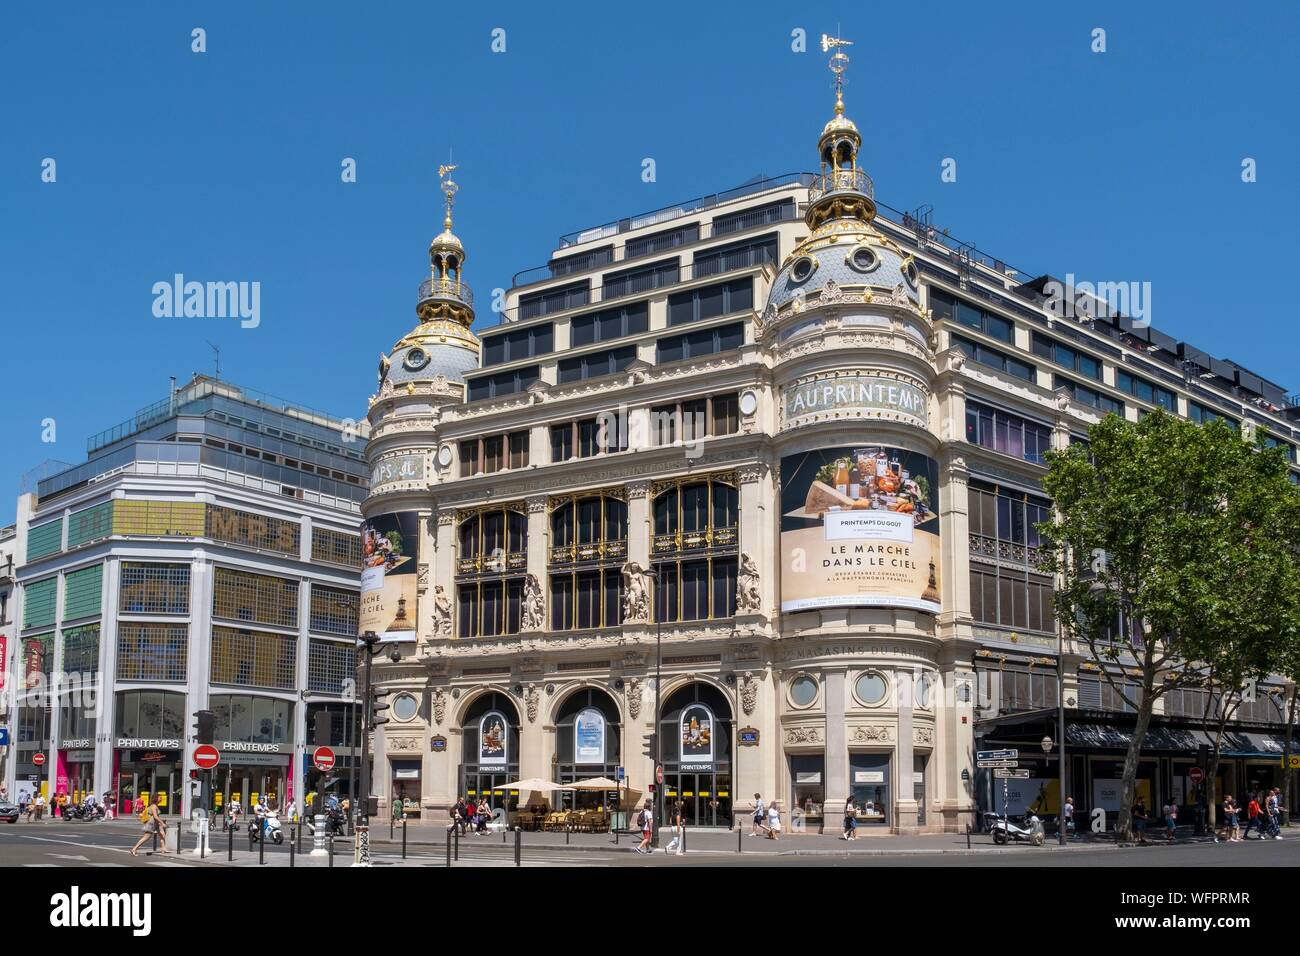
449 189
839 62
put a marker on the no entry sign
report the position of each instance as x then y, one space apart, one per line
323 758
38 758
1196 775
206 756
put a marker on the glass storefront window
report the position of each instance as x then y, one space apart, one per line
250 719
145 714
808 793
869 781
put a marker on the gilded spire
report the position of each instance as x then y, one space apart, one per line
449 189
839 62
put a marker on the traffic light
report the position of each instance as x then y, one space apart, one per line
650 750
204 726
378 704
321 732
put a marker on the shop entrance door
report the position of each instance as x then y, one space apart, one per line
705 798
918 788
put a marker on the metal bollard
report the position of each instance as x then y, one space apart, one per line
457 854
331 850
291 851
391 823
968 836
155 842
403 839
740 840
230 844
299 836
449 850
261 849
519 842
179 830
683 839
567 831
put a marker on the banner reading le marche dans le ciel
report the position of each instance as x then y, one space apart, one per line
859 526
390 552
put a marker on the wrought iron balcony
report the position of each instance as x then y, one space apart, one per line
841 180
445 289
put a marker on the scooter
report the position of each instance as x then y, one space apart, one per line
270 829
1004 831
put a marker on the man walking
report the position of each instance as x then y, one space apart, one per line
1067 817
758 818
1275 813
1253 820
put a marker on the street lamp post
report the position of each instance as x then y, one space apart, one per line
658 727
370 646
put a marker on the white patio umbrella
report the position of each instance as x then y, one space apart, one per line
533 785
597 783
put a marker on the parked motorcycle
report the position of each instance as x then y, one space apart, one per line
269 830
1029 830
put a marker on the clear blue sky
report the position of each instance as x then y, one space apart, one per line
225 165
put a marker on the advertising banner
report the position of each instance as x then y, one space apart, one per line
589 736
697 735
390 553
4 656
492 740
860 527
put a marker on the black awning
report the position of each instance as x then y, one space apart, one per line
1108 737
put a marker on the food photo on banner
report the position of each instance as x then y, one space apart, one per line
859 527
390 552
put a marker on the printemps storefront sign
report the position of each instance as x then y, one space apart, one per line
854 395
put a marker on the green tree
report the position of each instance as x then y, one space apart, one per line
1175 549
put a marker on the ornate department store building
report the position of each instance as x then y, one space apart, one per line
785 451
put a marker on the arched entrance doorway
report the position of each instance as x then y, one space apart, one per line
695 728
588 743
491 750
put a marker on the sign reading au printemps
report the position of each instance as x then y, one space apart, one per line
864 395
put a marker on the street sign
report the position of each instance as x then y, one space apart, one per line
206 756
985 764
619 774
38 758
4 736
659 774
323 758
1196 775
1011 774
1292 761
997 754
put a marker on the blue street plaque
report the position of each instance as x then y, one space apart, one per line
619 774
4 736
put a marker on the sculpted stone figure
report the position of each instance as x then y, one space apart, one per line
534 613
748 599
441 612
636 597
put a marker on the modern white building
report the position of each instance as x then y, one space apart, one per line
203 557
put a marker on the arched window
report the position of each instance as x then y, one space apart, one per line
588 548
490 755
490 566
695 728
694 548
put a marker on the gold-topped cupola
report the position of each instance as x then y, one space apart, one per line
842 191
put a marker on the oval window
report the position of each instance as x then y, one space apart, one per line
864 259
802 268
803 691
910 272
924 686
871 688
405 707
416 358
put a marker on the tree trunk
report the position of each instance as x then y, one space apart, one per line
1289 774
1128 790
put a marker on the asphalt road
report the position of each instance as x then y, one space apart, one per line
93 845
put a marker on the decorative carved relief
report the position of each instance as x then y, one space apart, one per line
637 489
402 744
748 693
803 735
748 598
922 734
534 610
633 690
531 701
422 578
537 505
439 700
878 733
446 518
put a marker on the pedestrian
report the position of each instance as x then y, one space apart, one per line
1252 817
483 813
1067 815
678 841
1171 820
758 818
1275 808
25 804
38 805
1140 818
850 820
645 820
774 820
1232 822
153 823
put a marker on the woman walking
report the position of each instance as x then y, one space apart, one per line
153 824
678 841
850 820
774 820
